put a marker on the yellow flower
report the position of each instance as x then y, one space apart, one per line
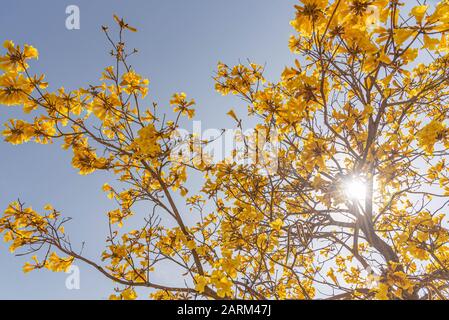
224 286
430 134
28 267
418 12
201 283
18 132
430 43
87 161
133 83
105 106
14 89
146 142
129 294
181 104
58 264
232 114
277 224
401 35
123 24
308 15
382 292
331 274
15 59
30 52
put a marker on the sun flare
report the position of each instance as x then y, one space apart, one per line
355 189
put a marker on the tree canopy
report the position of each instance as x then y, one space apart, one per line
350 204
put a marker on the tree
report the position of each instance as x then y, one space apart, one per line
351 205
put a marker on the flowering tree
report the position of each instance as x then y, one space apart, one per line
351 206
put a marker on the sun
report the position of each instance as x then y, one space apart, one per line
355 189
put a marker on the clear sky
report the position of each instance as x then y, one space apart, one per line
180 43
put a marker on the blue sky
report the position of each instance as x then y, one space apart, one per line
180 43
